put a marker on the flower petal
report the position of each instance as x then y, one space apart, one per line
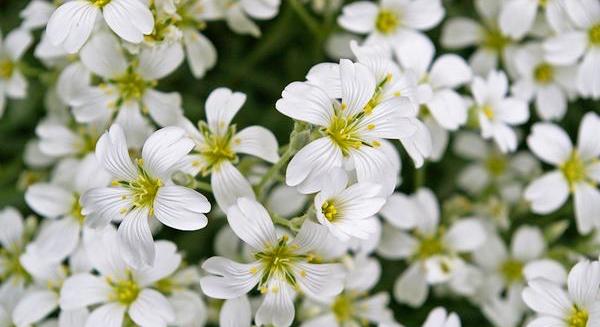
228 184
135 239
229 280
257 141
251 222
181 207
151 308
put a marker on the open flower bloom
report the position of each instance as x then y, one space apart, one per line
432 251
391 21
550 85
43 297
238 13
351 129
218 144
59 201
578 171
143 190
282 267
122 294
12 82
492 44
345 210
583 41
577 306
72 23
496 112
128 87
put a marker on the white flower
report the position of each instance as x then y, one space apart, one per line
496 112
281 267
578 306
120 289
578 171
12 82
581 42
36 14
237 13
58 140
217 145
439 317
13 238
351 130
432 251
391 21
72 23
491 42
128 86
142 191
550 85
517 17
344 209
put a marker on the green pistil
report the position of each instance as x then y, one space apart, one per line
594 35
329 210
543 73
12 265
100 3
343 307
578 318
76 210
573 169
277 261
132 86
124 291
512 270
430 246
496 164
343 131
7 68
165 286
387 21
495 40
143 189
217 148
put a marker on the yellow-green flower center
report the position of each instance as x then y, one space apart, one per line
329 210
216 148
488 111
132 85
578 318
343 131
124 291
165 285
594 35
100 3
9 260
7 68
543 3
512 270
494 40
387 21
430 246
143 189
76 210
543 73
277 261
343 307
496 164
573 169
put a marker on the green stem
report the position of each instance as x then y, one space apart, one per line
308 20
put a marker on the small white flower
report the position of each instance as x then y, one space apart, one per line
72 23
13 238
352 130
391 21
280 268
142 191
517 17
578 171
496 112
344 209
581 42
550 85
578 306
120 290
36 14
218 144
12 82
237 13
431 250
439 317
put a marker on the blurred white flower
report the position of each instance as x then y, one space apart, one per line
12 82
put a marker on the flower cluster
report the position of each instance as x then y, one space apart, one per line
324 229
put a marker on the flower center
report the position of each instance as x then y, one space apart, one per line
543 73
387 21
76 210
512 270
594 35
216 148
6 68
124 291
165 285
343 307
100 3
329 210
578 317
573 169
132 86
496 164
430 246
277 261
494 40
9 260
344 133
143 189
542 3
488 111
